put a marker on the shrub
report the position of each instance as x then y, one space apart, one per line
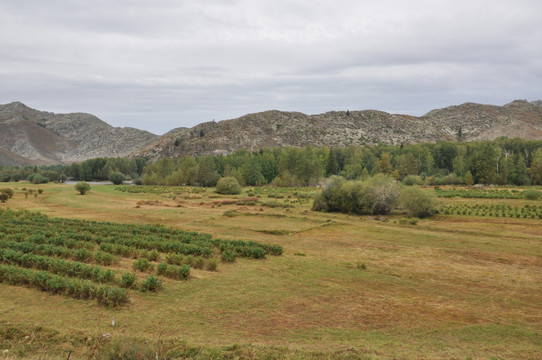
412 180
418 202
127 280
198 263
82 187
142 265
532 194
212 265
4 197
7 191
116 178
151 284
228 186
228 256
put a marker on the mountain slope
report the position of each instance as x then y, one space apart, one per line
48 138
339 128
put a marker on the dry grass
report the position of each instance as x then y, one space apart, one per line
448 287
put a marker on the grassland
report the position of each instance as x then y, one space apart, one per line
449 287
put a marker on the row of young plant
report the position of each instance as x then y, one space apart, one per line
26 226
57 266
82 254
530 194
509 211
74 269
159 190
110 296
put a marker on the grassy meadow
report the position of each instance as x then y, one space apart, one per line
454 286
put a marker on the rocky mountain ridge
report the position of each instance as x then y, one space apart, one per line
36 137
47 138
340 128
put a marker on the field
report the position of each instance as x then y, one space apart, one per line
464 284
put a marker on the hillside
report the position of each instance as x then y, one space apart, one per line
48 138
340 128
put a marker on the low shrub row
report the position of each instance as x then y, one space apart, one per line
57 266
109 296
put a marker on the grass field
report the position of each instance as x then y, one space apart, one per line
448 287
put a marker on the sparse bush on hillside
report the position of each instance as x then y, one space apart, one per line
82 187
116 178
228 186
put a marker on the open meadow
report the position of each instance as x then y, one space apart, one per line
463 284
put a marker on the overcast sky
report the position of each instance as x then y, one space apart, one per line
157 65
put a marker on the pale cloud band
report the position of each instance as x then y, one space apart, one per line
164 64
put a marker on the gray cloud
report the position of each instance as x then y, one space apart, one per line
164 64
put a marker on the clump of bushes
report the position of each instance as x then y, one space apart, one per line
7 191
152 283
377 195
142 265
228 186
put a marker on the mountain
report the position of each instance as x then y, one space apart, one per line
39 137
29 136
339 128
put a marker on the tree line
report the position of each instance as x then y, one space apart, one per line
502 161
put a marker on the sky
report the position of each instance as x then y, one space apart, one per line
162 64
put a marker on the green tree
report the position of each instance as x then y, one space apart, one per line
485 164
469 179
536 167
82 187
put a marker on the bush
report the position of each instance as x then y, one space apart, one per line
418 202
4 197
377 196
412 180
212 265
116 178
532 194
142 265
228 186
127 280
151 284
82 187
7 191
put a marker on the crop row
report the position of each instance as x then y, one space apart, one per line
57 266
124 239
110 296
488 193
150 189
525 212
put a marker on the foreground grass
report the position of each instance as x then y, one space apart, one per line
450 287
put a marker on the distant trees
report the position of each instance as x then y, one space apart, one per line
502 161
